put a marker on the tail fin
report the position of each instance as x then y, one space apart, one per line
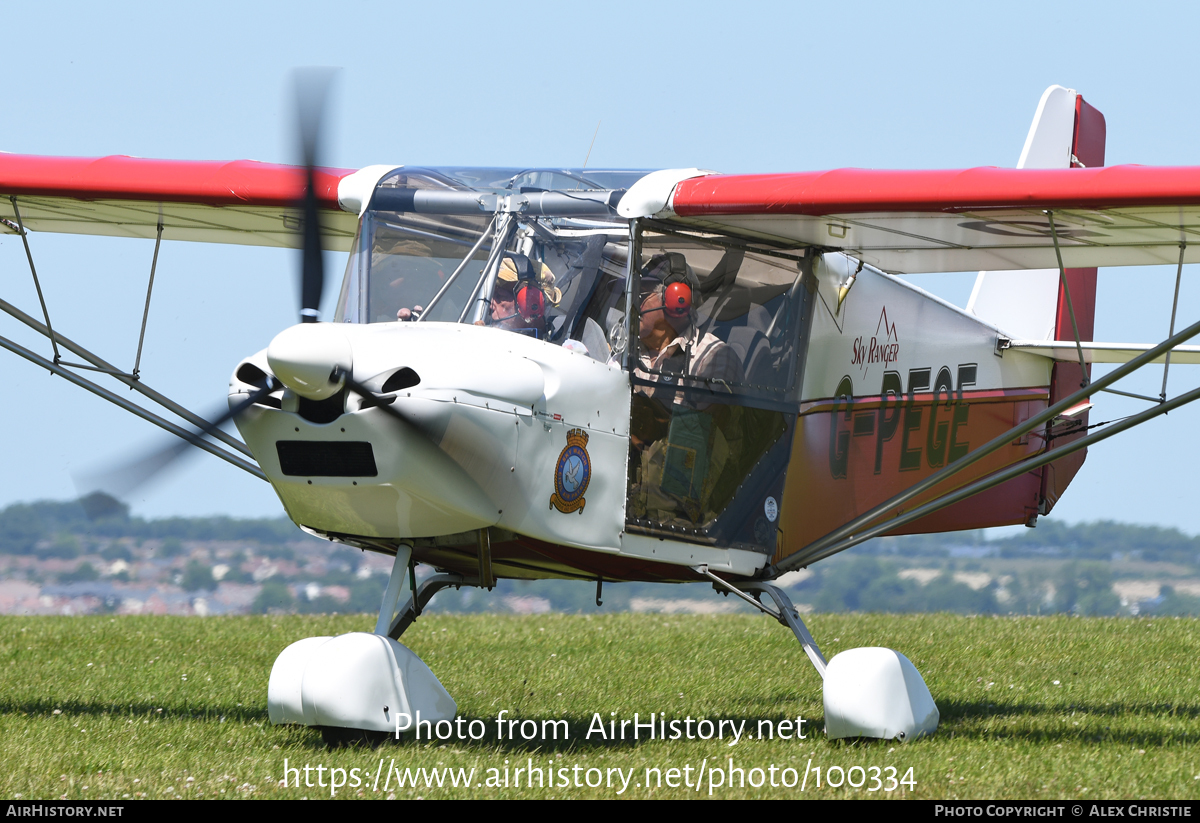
1027 305
1067 132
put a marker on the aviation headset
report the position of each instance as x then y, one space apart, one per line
671 269
528 297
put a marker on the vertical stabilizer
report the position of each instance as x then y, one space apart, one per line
1049 142
1023 304
1066 133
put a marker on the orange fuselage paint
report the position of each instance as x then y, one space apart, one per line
851 454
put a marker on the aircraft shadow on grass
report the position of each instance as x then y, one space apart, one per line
978 719
140 710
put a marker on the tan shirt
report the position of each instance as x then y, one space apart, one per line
700 356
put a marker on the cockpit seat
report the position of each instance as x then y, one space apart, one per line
754 350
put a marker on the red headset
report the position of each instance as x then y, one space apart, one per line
677 301
677 297
528 299
530 302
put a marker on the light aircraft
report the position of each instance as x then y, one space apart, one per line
669 376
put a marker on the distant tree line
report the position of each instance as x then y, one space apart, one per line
55 525
1102 541
866 579
871 584
23 526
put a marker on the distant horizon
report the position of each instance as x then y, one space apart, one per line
989 534
92 557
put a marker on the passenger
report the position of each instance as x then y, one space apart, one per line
679 442
672 341
523 289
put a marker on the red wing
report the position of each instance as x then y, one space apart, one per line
984 218
243 201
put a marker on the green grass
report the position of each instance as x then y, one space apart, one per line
100 707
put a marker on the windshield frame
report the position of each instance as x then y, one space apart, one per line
424 219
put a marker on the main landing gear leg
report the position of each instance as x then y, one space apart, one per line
789 617
359 686
868 692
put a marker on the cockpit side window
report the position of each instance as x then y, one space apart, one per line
718 337
717 318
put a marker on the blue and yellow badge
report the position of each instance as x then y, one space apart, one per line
572 474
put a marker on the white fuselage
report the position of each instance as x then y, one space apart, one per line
481 442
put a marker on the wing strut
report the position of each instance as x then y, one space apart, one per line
133 408
137 361
107 368
1134 395
29 256
847 536
101 365
1174 305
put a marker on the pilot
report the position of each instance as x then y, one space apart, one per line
523 292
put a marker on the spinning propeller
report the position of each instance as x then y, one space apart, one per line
312 88
313 361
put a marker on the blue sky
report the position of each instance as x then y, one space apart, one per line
772 87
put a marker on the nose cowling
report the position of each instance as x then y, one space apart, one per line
311 359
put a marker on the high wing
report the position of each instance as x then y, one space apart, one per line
243 202
960 220
899 221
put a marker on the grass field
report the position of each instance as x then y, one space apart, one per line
1045 707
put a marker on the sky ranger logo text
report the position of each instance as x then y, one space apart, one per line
883 347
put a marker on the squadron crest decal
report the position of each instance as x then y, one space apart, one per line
572 473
